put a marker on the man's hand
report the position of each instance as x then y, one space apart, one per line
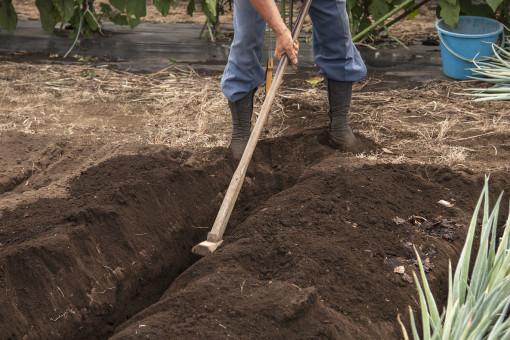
284 44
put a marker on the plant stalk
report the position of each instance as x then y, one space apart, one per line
382 19
77 34
406 13
203 28
394 38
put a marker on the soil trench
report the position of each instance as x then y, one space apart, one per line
321 259
320 245
75 267
79 266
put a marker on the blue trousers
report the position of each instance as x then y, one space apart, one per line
333 49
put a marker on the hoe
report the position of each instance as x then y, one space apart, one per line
214 237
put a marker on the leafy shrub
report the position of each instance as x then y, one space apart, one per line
81 13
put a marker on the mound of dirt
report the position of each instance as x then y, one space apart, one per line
75 267
79 265
322 259
320 245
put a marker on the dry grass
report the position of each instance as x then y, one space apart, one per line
180 108
175 107
425 124
429 122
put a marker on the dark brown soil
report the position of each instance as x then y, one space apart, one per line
96 233
317 260
310 252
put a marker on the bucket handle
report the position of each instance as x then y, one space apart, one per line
468 59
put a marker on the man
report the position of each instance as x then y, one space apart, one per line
334 53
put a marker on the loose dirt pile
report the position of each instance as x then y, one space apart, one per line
320 246
98 220
323 259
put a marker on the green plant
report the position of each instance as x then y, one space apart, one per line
450 10
8 16
493 70
83 17
362 13
411 8
478 302
90 74
369 16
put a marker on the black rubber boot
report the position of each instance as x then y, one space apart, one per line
340 133
241 111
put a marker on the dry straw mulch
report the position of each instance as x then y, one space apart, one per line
179 107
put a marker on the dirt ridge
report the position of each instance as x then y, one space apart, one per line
120 237
311 263
96 257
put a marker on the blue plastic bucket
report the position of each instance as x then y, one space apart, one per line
468 40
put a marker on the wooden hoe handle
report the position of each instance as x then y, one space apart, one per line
216 233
